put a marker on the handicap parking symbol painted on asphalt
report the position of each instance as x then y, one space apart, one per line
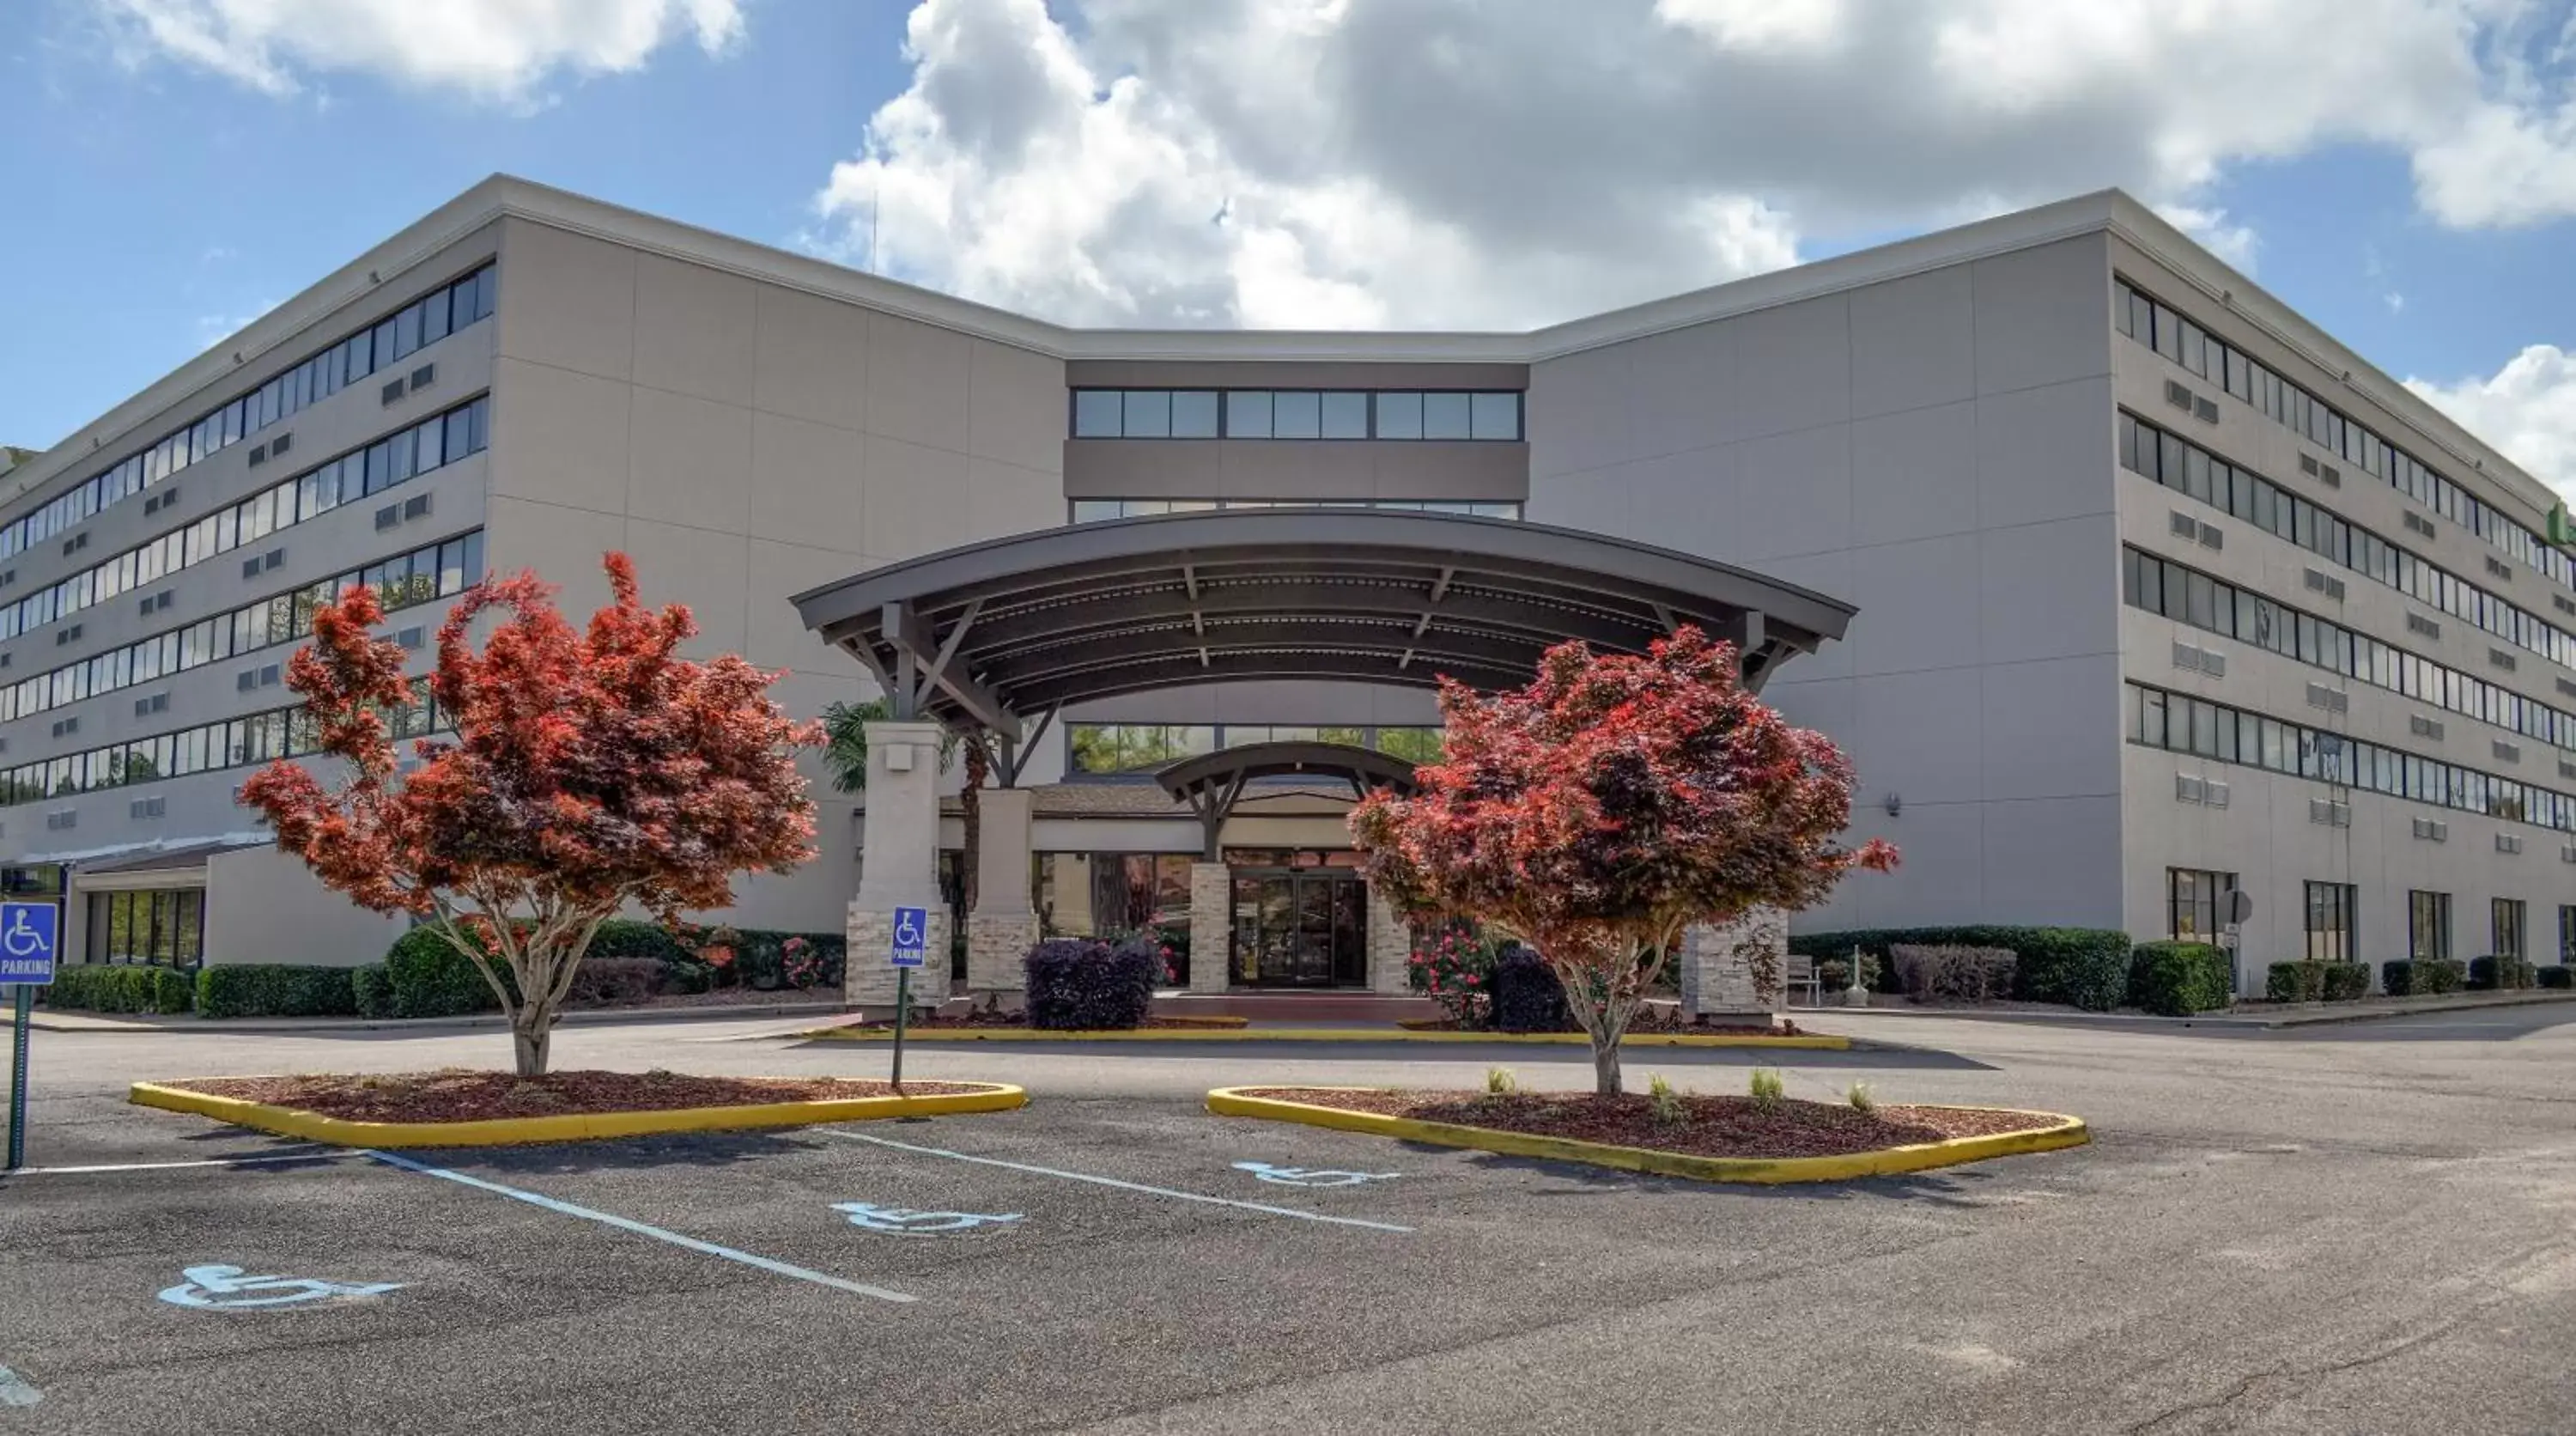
223 1288
1311 1176
904 1222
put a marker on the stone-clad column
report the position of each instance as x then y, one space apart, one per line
898 865
1211 927
1717 969
1390 946
1003 926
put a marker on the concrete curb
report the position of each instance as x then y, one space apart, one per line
2055 1130
513 1131
130 1023
2304 1015
1813 1041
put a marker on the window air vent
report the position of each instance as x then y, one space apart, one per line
2200 660
2205 410
2418 623
410 638
2500 569
272 558
246 680
147 807
2567 686
2508 752
63 726
250 567
152 505
2564 604
60 821
417 506
2503 660
2326 812
2333 700
2177 395
258 455
388 516
2432 830
2212 537
2566 769
2325 583
164 599
157 703
2508 843
422 376
268 675
145 608
2308 464
2420 524
2423 727
2184 525
278 446
2209 792
2330 476
2567 854
393 391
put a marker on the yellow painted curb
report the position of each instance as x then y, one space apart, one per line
511 1131
2051 1130
1813 1041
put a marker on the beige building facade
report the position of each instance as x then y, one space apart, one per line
1943 433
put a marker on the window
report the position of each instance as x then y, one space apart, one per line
2330 922
2567 934
1108 748
2428 926
190 750
431 317
163 927
1486 415
2508 922
2192 903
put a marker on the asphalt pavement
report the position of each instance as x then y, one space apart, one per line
2351 1229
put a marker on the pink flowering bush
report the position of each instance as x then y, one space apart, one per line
1456 969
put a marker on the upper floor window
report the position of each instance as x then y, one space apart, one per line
1296 414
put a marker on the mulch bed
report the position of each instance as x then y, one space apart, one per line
1019 1022
1644 1022
461 1095
1709 1126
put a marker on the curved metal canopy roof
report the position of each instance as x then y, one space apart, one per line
1212 783
982 635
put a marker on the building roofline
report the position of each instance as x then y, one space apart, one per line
503 196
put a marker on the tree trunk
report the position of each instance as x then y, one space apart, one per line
530 1036
1605 1067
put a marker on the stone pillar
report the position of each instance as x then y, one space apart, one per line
1211 927
1717 978
1003 926
898 865
1390 945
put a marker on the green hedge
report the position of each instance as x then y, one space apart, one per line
626 937
2557 975
2316 981
428 978
99 987
270 989
2079 966
2419 979
2177 979
2499 974
372 989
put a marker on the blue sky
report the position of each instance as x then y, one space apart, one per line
181 165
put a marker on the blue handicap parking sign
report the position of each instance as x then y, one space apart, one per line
911 935
27 945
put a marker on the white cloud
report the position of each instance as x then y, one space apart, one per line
1447 164
490 49
2527 410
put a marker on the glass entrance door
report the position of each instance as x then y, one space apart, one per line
1303 928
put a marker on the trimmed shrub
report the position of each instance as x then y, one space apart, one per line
2499 974
101 987
2417 979
1962 974
1528 997
2078 966
431 979
1078 984
2557 976
2313 981
621 937
610 981
1834 973
274 989
760 958
2177 979
2347 981
372 990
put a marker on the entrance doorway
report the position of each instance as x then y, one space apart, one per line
1300 927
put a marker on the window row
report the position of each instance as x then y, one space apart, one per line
165 927
239 742
2332 919
437 570
2189 596
2186 467
1141 747
1296 414
2428 928
427 445
2206 355
417 325
2180 723
1092 510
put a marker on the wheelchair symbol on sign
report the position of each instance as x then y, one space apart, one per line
905 933
21 940
1311 1176
901 1222
219 1288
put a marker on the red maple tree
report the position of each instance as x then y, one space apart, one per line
588 770
1612 803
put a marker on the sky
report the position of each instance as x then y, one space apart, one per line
2401 171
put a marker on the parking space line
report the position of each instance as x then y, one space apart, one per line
627 1224
266 1160
1114 1182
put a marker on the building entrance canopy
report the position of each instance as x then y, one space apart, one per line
996 633
1212 783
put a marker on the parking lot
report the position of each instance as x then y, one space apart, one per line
2327 1233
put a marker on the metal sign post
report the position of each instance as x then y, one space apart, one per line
28 933
911 940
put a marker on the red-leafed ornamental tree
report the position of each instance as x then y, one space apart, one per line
589 769
1614 802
